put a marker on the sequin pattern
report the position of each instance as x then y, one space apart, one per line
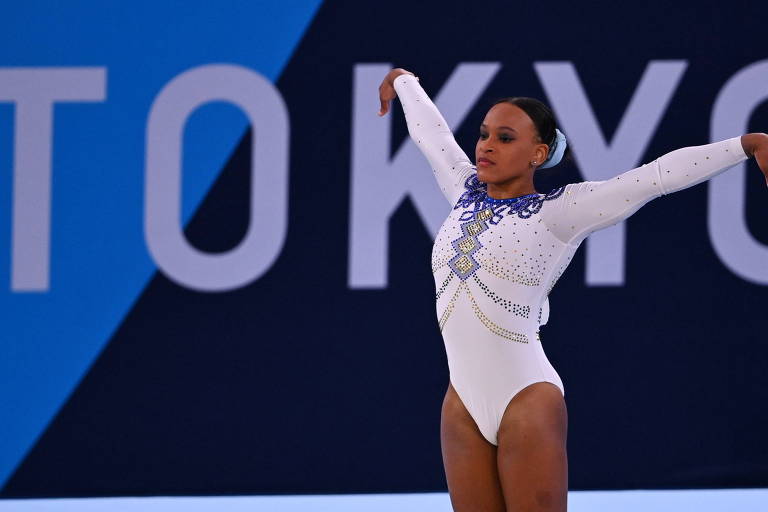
443 286
449 308
496 268
482 211
438 263
463 263
476 198
517 309
495 328
487 322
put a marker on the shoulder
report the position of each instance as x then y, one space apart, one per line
556 192
473 190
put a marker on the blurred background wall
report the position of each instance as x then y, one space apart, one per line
214 255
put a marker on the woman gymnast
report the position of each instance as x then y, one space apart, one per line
495 259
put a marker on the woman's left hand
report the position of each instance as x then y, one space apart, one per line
756 144
761 157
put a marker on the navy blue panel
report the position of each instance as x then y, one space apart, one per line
99 259
296 384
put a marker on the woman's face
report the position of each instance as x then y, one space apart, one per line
507 145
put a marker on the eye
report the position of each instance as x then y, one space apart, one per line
505 138
483 135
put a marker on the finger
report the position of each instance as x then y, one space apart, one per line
384 107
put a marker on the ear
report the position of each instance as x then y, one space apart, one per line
541 152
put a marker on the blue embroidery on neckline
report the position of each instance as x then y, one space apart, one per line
476 196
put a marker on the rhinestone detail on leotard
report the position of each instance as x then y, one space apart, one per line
494 267
495 328
449 308
444 286
463 263
487 322
476 197
517 309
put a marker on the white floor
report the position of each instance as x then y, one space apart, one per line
741 500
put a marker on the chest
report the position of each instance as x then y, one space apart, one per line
501 243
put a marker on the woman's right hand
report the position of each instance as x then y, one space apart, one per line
387 89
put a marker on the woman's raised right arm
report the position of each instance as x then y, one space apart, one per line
429 132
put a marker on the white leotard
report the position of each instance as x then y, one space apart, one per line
496 260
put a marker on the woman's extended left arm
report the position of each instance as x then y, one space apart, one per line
592 205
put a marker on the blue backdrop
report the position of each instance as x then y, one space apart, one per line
133 366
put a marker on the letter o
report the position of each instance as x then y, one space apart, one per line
726 212
264 107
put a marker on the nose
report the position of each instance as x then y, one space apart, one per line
485 147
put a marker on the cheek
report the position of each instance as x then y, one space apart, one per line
515 153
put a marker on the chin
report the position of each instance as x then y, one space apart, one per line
485 176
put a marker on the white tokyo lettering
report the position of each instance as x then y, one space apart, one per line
34 91
268 116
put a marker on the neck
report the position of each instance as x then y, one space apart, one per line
515 187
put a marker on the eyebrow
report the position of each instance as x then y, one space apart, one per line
507 127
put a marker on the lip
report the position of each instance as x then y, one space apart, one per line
484 161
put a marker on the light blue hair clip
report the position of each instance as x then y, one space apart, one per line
556 151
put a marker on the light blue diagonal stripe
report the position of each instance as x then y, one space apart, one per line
99 261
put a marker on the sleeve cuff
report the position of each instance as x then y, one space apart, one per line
402 81
737 149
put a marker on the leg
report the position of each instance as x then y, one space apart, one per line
469 460
532 460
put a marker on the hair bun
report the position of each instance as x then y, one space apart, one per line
556 151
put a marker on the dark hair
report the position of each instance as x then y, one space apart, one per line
543 119
541 115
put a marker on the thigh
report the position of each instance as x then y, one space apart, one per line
532 460
469 460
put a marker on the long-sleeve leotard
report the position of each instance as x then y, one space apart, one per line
495 260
